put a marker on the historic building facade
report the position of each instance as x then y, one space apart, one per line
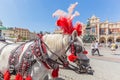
104 31
0 30
9 33
22 33
17 33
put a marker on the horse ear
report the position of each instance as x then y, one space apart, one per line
74 34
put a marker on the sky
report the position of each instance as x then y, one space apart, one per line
36 15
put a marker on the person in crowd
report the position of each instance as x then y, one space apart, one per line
92 48
96 48
114 46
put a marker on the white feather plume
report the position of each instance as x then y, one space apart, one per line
59 13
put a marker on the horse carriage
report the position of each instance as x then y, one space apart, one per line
33 60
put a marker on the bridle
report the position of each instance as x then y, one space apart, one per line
71 43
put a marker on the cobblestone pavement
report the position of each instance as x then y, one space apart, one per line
104 70
106 67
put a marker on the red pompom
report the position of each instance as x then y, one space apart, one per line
72 57
28 77
18 77
85 52
55 73
7 75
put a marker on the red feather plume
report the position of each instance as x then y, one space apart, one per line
65 24
78 28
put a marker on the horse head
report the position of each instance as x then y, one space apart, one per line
75 46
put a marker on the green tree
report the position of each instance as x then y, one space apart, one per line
24 38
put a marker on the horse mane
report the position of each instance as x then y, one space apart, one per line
56 42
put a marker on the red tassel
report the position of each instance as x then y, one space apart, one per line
55 73
72 57
28 77
21 78
18 77
7 75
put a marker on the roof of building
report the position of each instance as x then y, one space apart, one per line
21 29
2 27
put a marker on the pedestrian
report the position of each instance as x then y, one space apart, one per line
92 47
97 48
113 47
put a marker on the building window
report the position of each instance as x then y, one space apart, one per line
110 31
93 29
102 31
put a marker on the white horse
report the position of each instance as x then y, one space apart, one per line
57 43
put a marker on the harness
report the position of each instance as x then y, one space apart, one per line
14 58
37 49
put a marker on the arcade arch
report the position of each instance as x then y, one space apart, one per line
110 39
102 40
118 39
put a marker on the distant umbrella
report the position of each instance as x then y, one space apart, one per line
3 28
